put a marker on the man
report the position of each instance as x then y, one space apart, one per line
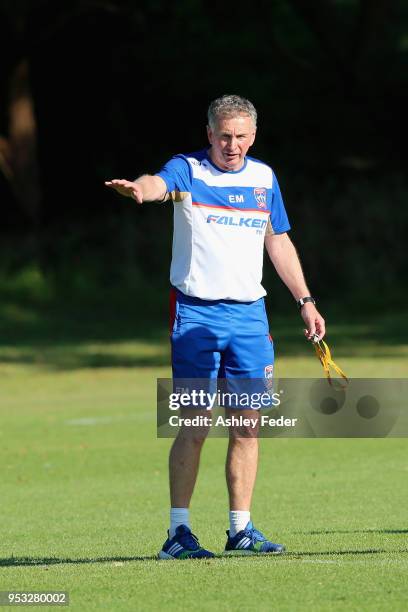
226 207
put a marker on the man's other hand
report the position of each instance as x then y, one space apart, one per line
314 321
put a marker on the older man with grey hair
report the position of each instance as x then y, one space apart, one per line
227 207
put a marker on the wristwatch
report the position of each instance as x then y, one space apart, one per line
304 300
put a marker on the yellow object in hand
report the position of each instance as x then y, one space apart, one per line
324 355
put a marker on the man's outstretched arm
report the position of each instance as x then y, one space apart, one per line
284 257
146 188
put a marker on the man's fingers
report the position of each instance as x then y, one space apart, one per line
126 188
310 332
314 322
311 326
320 328
119 183
316 327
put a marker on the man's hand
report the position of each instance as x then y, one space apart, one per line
314 321
127 188
146 188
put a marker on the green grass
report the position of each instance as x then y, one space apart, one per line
84 497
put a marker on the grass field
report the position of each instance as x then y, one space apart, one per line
84 501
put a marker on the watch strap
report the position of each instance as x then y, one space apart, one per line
304 300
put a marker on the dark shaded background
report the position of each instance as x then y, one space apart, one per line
96 90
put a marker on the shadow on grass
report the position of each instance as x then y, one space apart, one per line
33 561
327 531
367 551
69 358
60 334
43 561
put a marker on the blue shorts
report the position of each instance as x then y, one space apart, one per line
219 338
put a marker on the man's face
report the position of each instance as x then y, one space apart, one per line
230 141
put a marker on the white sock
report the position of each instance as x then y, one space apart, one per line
238 521
178 516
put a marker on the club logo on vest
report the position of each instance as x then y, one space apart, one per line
260 196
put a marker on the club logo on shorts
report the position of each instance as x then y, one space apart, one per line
269 371
260 196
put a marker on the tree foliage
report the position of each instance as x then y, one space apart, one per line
97 89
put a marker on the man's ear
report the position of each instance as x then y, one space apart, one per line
209 134
253 137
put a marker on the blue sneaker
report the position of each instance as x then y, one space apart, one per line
184 545
250 541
